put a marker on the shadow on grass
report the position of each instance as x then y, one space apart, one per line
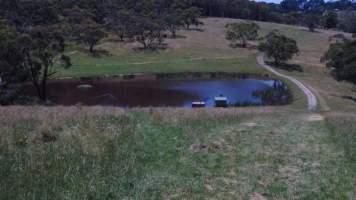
118 40
349 98
248 46
286 66
114 40
97 53
309 31
176 36
154 48
195 29
235 46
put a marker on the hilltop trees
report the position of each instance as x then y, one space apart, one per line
87 21
91 35
121 22
240 33
12 71
314 6
148 33
279 47
341 59
147 21
26 13
289 11
191 16
35 43
43 51
348 21
311 21
330 20
31 56
73 22
290 5
173 22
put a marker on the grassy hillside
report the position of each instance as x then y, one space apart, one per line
97 153
206 50
253 153
195 50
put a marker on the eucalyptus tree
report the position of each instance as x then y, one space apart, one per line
341 59
12 71
174 21
43 50
121 22
330 20
190 16
91 34
240 33
279 47
311 21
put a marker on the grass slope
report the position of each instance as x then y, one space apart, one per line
176 154
236 153
205 50
117 65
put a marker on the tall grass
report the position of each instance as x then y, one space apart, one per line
78 165
171 154
108 157
343 133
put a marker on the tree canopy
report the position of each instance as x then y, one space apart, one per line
341 59
330 20
34 34
279 47
241 32
311 21
12 71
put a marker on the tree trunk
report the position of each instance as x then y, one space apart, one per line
91 48
145 46
35 83
38 88
174 34
44 83
243 42
277 62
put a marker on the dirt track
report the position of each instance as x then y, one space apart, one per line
312 100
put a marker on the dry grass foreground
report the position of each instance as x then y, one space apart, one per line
107 153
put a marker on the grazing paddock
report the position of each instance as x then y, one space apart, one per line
98 153
207 50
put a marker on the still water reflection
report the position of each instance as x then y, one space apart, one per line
174 93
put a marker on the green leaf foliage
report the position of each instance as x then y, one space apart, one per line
341 59
239 33
279 47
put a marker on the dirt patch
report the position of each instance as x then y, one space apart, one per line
201 147
276 131
315 117
251 124
209 188
301 147
289 173
257 196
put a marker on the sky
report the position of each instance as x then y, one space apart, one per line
278 1
270 1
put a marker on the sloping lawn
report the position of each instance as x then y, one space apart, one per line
175 154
